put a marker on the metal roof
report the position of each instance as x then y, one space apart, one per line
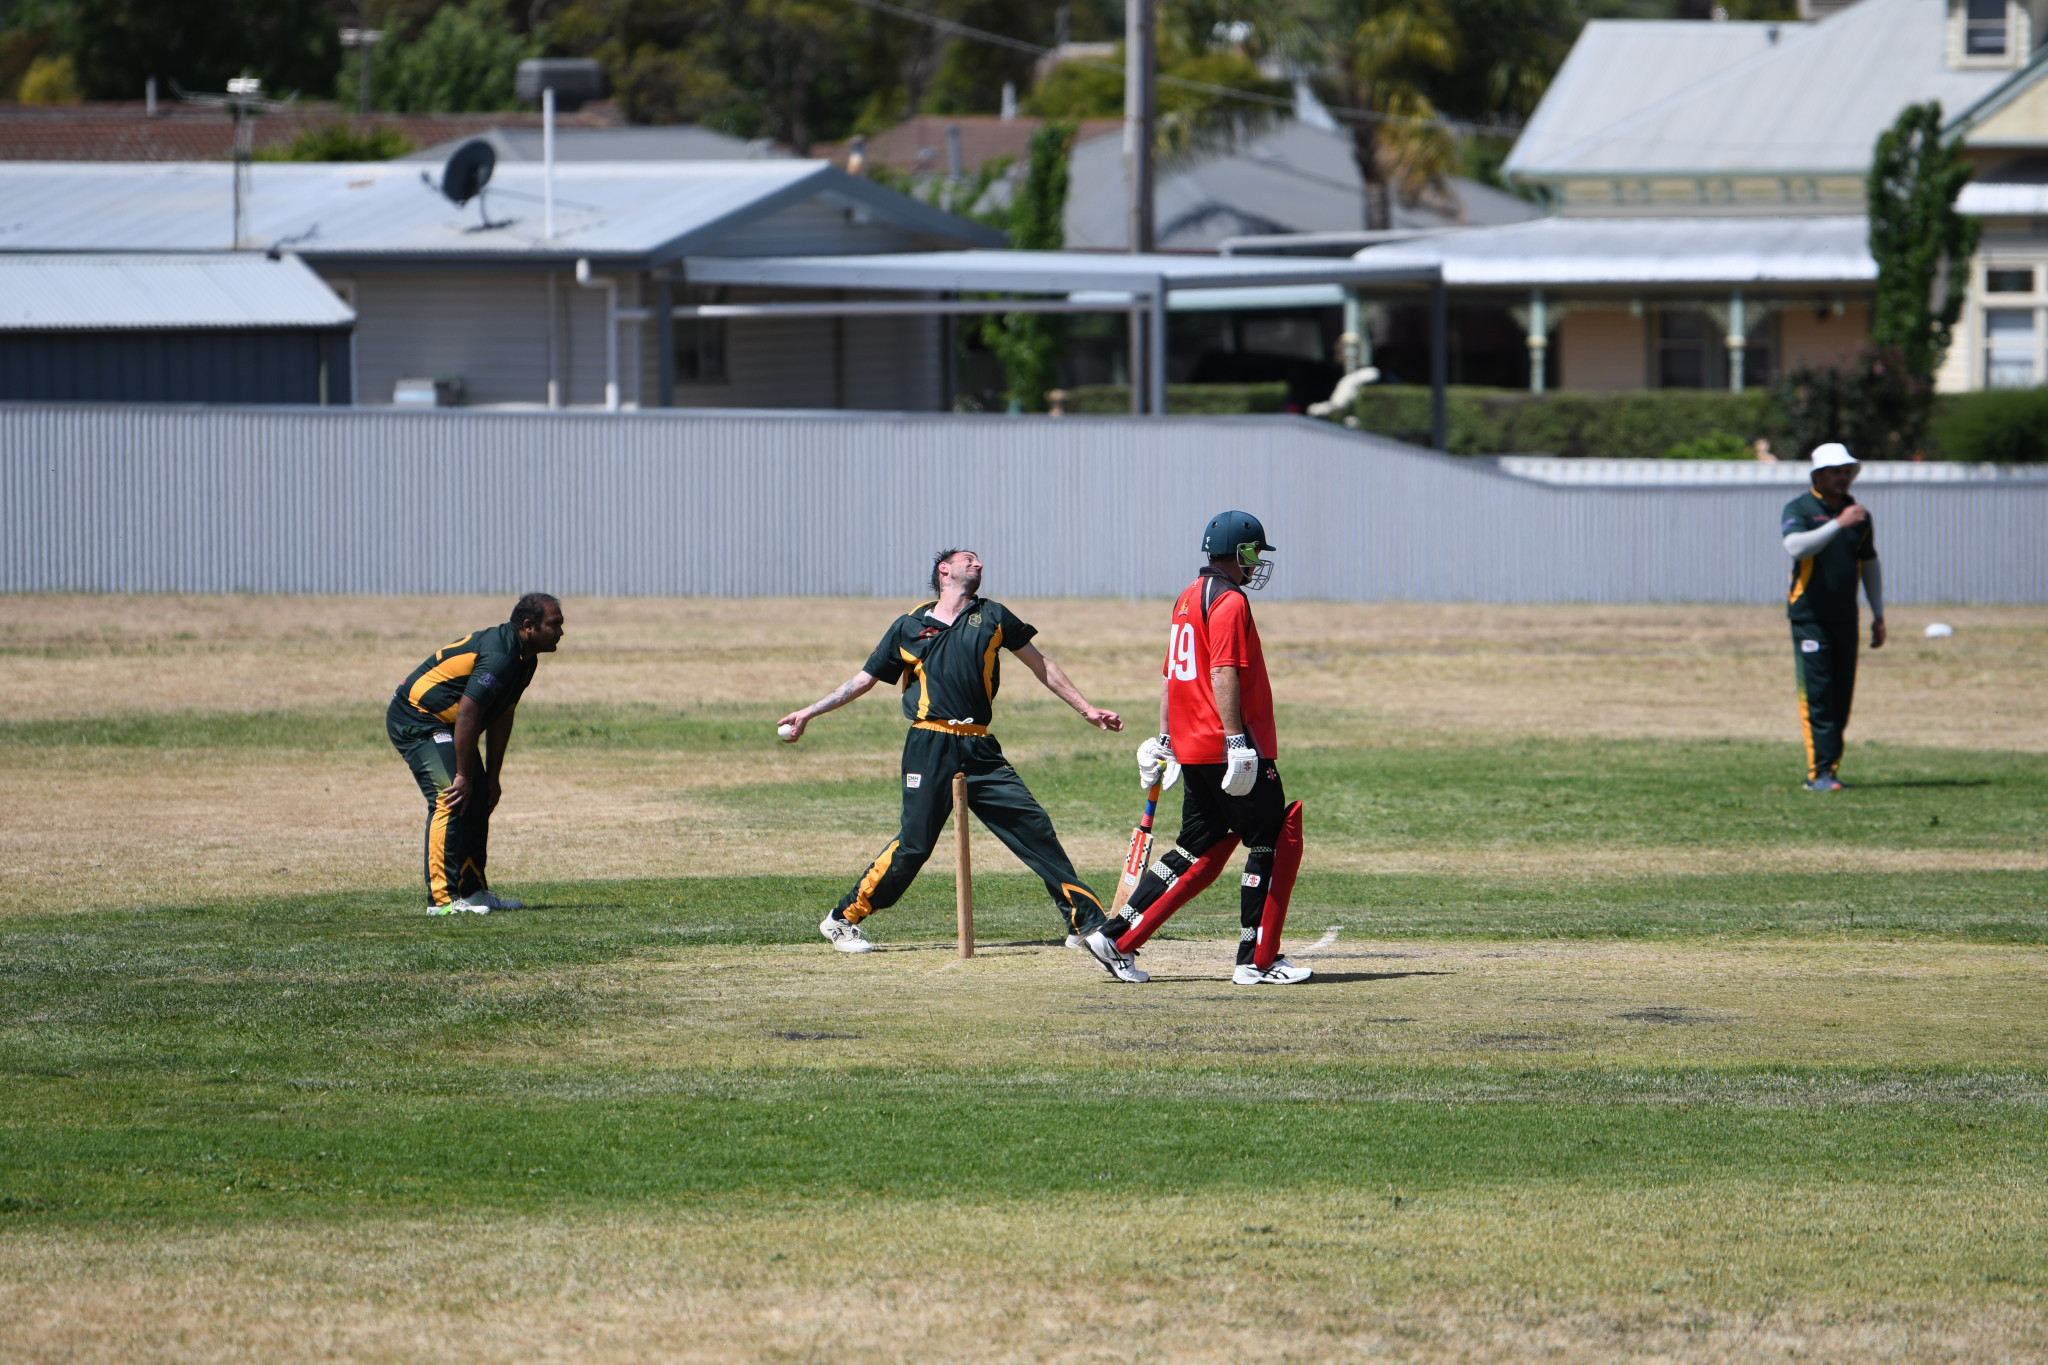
1643 251
1287 177
1813 102
1619 67
1044 272
679 142
1997 200
121 293
650 212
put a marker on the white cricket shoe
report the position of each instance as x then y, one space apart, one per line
847 938
1121 965
461 905
1074 941
1281 973
492 900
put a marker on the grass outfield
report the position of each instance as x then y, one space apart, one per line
1620 1045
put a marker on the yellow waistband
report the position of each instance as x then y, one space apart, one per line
949 727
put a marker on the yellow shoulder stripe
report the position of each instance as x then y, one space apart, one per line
448 670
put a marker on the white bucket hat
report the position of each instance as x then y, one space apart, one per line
1833 453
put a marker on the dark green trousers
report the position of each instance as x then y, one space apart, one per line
1002 802
1824 660
457 846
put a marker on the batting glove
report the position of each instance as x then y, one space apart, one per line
1243 766
1156 764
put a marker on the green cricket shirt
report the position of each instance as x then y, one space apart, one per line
1823 589
486 665
950 673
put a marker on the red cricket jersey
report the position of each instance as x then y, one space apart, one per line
1212 627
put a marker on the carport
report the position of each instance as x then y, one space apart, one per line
1139 284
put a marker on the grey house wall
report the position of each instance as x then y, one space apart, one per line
742 504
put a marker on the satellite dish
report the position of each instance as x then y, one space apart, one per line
468 171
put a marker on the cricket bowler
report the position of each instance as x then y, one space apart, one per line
466 692
1216 719
946 654
1833 546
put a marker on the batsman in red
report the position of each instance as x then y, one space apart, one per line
1216 718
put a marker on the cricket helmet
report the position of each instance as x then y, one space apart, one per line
1239 535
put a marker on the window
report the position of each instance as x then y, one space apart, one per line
1984 24
1685 345
1692 350
2008 348
699 342
2009 281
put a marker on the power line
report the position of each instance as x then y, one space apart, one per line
982 35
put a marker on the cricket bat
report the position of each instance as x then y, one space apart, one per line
1140 852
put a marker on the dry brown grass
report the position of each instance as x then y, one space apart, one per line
1606 671
87 827
1712 1273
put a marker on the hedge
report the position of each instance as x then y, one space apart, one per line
1190 398
1621 426
1999 426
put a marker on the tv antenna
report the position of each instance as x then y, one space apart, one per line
244 102
464 177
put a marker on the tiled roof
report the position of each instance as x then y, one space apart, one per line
918 144
180 132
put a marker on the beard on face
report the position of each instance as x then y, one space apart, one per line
970 581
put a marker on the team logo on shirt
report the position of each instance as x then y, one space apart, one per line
974 620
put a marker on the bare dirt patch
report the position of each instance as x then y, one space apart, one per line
1466 1005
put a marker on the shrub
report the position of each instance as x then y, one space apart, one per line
1715 445
1874 406
50 80
2000 426
1630 426
1217 399
339 142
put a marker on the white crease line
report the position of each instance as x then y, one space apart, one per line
1329 937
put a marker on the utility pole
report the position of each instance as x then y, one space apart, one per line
1141 115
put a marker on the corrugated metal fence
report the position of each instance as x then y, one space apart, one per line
131 499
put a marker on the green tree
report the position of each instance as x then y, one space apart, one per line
1382 57
1921 244
1028 344
117 45
463 58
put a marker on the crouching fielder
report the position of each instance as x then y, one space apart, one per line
1216 718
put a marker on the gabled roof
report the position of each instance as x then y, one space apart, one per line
1620 67
1288 177
1625 252
239 290
647 213
1969 122
1811 103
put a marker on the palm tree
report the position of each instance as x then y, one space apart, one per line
1380 57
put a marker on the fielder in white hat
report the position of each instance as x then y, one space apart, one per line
1833 546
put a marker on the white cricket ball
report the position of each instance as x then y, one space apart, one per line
785 730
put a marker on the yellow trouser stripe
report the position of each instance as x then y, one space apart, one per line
437 855
1806 726
872 878
949 727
